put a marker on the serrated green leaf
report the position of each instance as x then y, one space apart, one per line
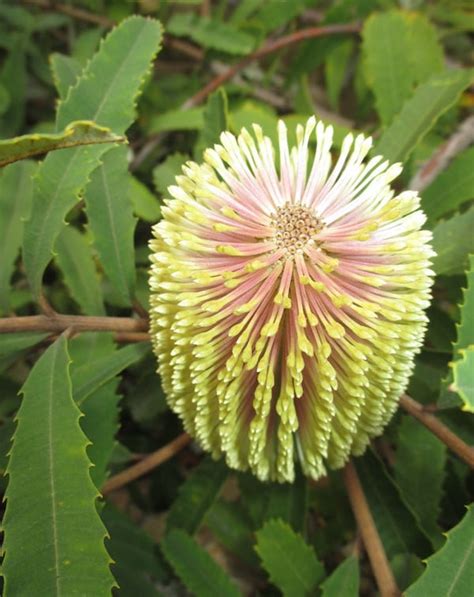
211 33
16 191
90 376
51 525
216 120
453 187
165 173
65 71
465 328
81 132
395 522
290 562
450 571
100 406
110 214
344 581
234 530
196 495
401 50
145 204
75 260
100 424
453 241
420 112
195 567
136 564
121 64
419 473
178 120
463 373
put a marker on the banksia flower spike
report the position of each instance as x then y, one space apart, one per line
288 298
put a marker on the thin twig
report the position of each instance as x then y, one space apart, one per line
229 73
372 542
269 48
450 439
147 464
126 337
90 17
460 140
80 323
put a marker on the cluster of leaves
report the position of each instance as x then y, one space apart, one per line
74 228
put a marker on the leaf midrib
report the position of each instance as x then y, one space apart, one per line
51 466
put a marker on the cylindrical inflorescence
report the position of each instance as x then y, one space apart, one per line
287 299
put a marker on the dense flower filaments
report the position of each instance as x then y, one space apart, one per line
288 298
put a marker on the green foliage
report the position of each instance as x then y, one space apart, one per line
120 65
419 473
16 190
453 242
420 112
195 567
75 259
291 564
401 51
211 33
110 214
136 565
51 524
396 523
196 496
451 188
344 580
451 570
89 210
77 133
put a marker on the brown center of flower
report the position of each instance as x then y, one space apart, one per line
295 227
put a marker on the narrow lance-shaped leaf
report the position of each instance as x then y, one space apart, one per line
16 191
196 496
290 562
419 473
419 113
54 539
75 260
100 406
453 187
81 132
195 567
106 93
394 520
450 571
465 328
110 215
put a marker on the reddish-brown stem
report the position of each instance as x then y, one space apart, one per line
79 323
269 48
450 439
147 464
368 531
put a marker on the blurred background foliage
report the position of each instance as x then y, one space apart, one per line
402 74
